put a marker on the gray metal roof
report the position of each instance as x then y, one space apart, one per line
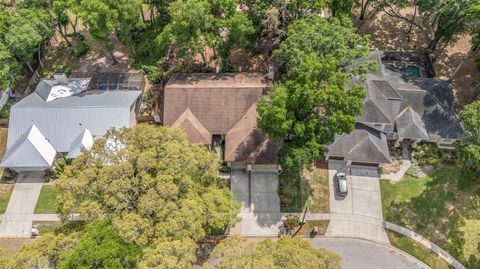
30 150
62 120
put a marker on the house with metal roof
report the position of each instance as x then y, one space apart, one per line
400 109
62 117
219 111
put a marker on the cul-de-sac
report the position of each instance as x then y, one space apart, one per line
240 134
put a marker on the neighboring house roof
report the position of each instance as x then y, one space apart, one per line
432 100
361 146
220 104
64 119
32 149
83 141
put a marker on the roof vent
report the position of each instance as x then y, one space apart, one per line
61 78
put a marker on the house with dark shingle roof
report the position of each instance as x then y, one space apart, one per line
220 112
398 109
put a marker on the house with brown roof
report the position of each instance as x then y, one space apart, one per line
219 111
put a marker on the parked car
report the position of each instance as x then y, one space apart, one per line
341 180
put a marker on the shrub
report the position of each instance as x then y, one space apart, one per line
80 47
67 70
427 154
5 111
291 222
154 73
413 170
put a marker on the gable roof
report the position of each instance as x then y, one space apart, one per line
32 149
223 104
217 100
361 146
63 120
83 141
409 125
432 100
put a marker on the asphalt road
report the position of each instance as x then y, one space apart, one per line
362 254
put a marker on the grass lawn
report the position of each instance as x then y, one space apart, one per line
310 187
418 251
46 226
47 202
306 229
315 189
5 192
3 140
443 206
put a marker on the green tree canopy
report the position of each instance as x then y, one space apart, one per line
285 253
200 24
312 105
470 147
151 183
95 246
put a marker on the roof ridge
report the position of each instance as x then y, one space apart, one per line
196 123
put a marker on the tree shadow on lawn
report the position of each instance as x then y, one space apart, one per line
441 211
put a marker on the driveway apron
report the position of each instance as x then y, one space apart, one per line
17 220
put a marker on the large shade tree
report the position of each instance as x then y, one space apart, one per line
151 184
200 24
312 104
285 253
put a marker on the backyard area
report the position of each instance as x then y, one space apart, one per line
443 206
47 201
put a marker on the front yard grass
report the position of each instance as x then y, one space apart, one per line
47 201
5 193
443 207
3 140
307 188
417 250
315 189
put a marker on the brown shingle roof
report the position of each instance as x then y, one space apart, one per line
225 104
217 100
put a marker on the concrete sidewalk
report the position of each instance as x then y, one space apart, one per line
17 220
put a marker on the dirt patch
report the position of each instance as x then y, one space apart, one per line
315 189
10 247
388 33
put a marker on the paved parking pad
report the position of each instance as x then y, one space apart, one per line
359 214
261 205
264 193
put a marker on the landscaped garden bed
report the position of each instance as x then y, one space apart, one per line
443 207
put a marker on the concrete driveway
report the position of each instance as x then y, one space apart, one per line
359 214
257 192
17 220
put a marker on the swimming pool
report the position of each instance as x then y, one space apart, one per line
411 71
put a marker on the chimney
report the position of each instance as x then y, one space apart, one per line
61 78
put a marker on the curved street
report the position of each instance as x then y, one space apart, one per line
358 253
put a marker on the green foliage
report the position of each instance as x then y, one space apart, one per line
101 247
285 253
413 170
81 47
154 73
5 111
289 191
312 106
9 67
157 187
441 207
470 147
179 254
427 154
198 24
291 222
28 29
